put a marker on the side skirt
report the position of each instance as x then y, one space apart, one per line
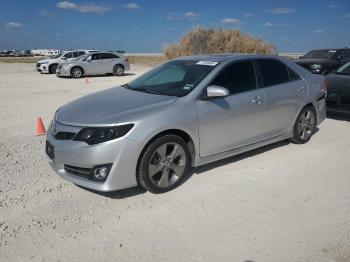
240 150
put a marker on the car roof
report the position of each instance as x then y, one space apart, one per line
224 57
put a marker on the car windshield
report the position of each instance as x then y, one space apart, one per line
174 78
344 70
56 56
320 54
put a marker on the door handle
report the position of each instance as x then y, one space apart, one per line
256 100
301 89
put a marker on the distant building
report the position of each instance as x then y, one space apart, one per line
45 52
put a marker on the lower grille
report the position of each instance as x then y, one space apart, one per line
64 135
38 65
78 171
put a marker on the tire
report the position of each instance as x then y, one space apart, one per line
164 164
76 72
304 126
118 70
53 68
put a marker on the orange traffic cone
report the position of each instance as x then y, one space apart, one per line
87 80
40 129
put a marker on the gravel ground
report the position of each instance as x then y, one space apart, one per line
280 203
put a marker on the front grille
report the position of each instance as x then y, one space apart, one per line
78 171
64 135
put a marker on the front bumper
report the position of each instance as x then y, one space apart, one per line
42 68
122 152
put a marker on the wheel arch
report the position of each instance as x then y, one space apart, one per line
51 65
183 134
119 64
77 66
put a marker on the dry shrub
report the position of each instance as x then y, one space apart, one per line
208 41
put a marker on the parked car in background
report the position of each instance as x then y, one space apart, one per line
95 64
324 61
338 98
4 53
184 113
49 65
15 54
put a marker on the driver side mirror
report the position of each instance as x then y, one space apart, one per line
214 91
64 58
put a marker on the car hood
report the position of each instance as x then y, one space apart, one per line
110 107
314 61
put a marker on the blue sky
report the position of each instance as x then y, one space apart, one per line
148 25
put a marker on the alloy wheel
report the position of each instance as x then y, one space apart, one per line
306 125
167 165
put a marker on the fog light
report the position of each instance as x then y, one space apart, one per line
101 172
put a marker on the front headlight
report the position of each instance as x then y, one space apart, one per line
96 135
315 66
44 63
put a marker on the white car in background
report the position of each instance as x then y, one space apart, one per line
49 65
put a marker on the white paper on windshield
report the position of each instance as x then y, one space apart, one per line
208 63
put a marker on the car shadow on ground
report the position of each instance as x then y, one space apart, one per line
134 191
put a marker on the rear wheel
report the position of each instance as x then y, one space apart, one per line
52 69
118 70
304 126
164 164
76 72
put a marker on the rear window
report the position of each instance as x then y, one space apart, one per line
273 72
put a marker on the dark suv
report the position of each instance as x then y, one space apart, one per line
324 61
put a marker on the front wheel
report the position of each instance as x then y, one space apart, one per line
118 70
76 72
164 164
304 126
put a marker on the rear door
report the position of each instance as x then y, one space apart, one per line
285 93
226 123
108 60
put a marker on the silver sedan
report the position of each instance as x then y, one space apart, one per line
97 63
184 113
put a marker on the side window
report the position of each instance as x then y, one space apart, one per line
104 56
68 55
95 57
273 72
81 53
75 54
237 78
108 56
292 75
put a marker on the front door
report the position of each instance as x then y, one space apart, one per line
234 121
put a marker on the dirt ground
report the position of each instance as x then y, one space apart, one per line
280 203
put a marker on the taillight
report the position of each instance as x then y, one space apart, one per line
127 60
325 85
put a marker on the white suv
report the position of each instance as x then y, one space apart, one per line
49 65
